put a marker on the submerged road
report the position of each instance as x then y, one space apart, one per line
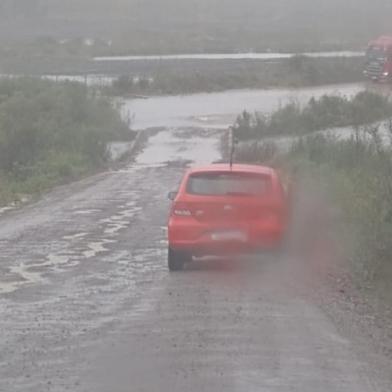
87 303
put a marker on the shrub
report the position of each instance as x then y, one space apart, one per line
329 111
354 175
51 131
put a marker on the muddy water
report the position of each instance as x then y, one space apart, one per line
229 56
169 146
219 109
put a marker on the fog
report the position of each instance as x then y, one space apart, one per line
205 24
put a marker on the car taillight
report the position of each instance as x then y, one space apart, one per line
181 209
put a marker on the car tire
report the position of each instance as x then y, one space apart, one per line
177 260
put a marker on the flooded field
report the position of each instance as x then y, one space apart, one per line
219 110
228 56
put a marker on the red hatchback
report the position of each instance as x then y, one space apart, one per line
222 210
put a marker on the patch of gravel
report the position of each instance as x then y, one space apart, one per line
360 311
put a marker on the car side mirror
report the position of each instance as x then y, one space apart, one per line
172 195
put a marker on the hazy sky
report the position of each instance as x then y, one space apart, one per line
327 21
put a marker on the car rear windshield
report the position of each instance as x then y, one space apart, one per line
228 184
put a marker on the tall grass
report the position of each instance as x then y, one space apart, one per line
359 178
329 111
355 176
51 132
193 76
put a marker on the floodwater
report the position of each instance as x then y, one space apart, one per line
219 110
229 56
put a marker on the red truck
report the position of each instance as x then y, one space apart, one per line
378 65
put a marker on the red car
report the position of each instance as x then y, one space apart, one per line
220 210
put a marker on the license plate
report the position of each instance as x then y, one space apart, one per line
229 235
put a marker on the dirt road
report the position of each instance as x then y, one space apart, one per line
87 303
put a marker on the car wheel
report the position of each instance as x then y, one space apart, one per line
177 259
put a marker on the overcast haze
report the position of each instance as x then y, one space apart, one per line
205 24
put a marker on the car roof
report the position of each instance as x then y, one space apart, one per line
236 168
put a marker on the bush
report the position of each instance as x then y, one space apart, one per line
361 186
171 77
329 111
354 175
51 131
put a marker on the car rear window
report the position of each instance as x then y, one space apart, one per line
228 184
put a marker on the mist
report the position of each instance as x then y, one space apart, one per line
203 25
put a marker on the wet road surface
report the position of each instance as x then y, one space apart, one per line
87 303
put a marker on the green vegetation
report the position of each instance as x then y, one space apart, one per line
326 112
349 182
356 176
206 76
51 133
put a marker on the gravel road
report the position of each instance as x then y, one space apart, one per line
87 303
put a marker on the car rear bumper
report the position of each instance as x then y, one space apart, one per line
198 238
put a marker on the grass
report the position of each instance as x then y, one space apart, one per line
350 177
329 111
360 184
192 77
353 177
51 133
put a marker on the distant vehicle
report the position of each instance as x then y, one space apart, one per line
378 65
222 209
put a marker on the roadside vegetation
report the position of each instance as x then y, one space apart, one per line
51 133
171 77
329 111
356 175
193 77
353 175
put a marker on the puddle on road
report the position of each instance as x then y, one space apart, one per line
95 248
151 254
57 261
9 287
114 228
24 274
173 145
121 220
24 277
86 212
74 236
169 145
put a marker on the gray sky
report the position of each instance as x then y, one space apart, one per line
245 21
